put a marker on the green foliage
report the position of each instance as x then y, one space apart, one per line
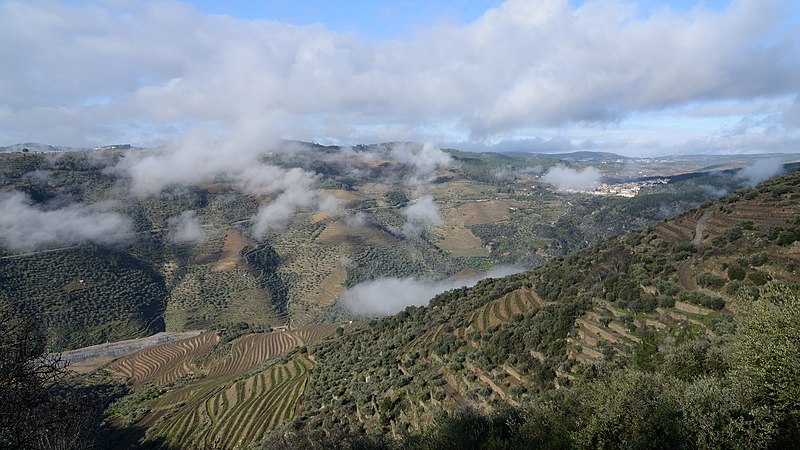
711 281
701 299
696 359
86 295
736 272
395 197
632 410
765 353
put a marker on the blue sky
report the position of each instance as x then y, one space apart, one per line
637 77
382 19
373 19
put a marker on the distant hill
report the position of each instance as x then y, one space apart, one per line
591 157
37 147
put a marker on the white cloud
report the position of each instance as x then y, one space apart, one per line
160 66
186 227
420 216
565 178
761 170
425 160
386 296
236 156
25 226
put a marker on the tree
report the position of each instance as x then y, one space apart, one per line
632 409
38 409
766 355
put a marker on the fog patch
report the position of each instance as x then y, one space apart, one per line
760 170
346 262
425 161
712 191
25 226
186 227
357 220
387 296
277 214
567 179
421 216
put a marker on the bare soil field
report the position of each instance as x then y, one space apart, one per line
231 250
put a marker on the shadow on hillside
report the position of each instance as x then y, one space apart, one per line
129 438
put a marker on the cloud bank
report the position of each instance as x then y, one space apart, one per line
25 226
387 296
568 179
235 157
141 72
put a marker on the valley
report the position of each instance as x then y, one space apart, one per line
260 344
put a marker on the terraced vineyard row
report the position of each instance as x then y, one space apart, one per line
164 363
237 413
682 229
502 310
312 333
254 349
673 232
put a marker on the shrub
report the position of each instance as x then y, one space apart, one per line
709 280
736 272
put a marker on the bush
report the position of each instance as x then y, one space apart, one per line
709 280
736 272
698 298
786 237
666 301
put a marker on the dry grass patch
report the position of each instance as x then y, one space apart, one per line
346 198
331 287
461 242
231 250
480 212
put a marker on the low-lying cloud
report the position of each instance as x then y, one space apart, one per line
237 159
277 214
386 296
25 226
186 227
425 160
568 179
760 170
421 216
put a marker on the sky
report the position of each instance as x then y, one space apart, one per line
640 78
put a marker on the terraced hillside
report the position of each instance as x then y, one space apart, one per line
202 392
232 414
493 211
164 363
630 305
634 301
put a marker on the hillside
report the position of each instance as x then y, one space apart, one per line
637 300
664 318
187 258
